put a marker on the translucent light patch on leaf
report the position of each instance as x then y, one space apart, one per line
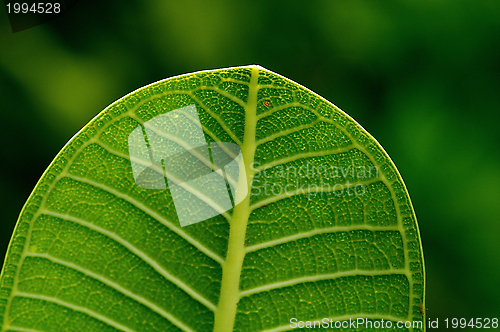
174 148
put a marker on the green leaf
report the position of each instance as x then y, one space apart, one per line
323 227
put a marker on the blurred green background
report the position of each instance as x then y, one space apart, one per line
423 77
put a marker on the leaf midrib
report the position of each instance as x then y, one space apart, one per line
231 271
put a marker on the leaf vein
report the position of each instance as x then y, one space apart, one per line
304 155
320 277
71 306
139 254
311 233
115 286
217 118
383 178
287 132
306 191
154 215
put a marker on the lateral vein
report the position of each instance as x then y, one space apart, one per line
304 155
153 214
317 231
139 254
309 190
113 285
321 277
84 310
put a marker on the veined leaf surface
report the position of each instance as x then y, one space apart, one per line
326 229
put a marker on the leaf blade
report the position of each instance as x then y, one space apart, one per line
89 199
